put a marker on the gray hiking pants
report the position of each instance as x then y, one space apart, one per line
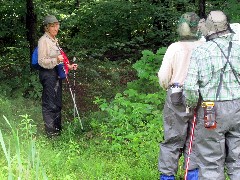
220 147
176 123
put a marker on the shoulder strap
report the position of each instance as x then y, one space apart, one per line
223 69
233 70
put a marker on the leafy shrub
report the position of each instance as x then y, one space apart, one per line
133 118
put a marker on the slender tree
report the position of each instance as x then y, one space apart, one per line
31 20
77 4
202 7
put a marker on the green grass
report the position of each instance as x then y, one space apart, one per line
103 150
27 154
93 163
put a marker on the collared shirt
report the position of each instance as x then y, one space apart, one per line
175 63
207 61
236 28
48 51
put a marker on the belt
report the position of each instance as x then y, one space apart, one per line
175 86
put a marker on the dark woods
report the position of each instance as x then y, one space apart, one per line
113 30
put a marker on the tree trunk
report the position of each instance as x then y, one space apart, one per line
202 5
77 4
31 19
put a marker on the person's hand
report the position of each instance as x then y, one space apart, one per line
73 66
60 59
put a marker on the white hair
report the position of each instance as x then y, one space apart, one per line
184 30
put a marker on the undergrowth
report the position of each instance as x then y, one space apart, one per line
120 141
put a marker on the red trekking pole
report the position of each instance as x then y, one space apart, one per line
190 143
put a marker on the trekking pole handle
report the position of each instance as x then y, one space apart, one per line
74 59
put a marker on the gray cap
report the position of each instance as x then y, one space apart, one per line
216 22
49 19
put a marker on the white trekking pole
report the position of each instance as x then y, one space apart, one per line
74 90
73 96
74 103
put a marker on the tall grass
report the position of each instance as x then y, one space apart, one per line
75 155
22 158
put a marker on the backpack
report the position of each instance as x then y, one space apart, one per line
34 61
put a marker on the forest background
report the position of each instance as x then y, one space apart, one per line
119 46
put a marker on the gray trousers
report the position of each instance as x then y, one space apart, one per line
217 149
176 123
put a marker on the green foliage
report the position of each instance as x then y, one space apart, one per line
16 78
129 124
12 14
230 8
132 116
147 68
115 30
15 109
27 127
127 19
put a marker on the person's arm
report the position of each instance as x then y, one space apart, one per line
165 71
191 85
